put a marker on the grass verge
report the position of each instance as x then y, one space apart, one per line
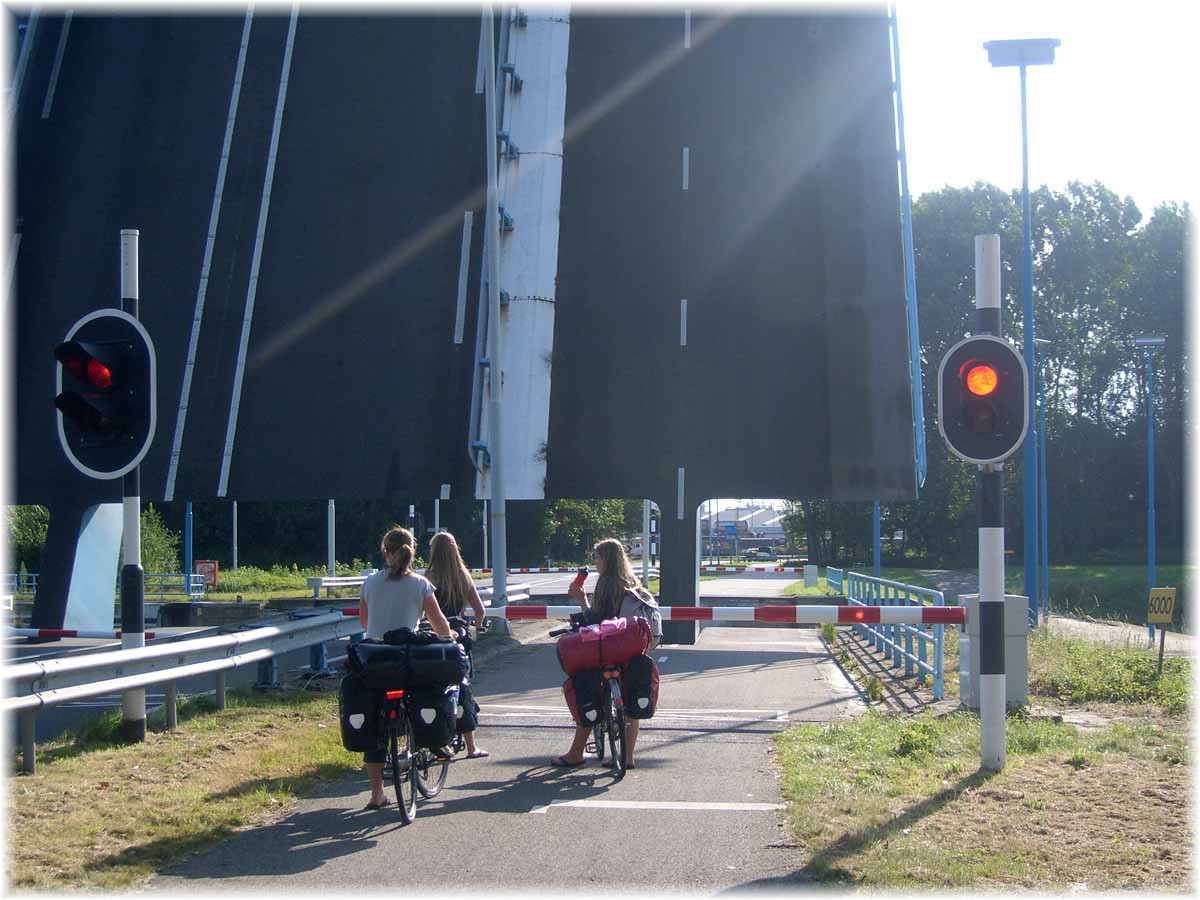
895 802
99 816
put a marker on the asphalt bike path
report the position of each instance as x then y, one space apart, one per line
703 800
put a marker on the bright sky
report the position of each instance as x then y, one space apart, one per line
1117 106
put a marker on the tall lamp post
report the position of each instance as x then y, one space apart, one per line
1150 343
1023 53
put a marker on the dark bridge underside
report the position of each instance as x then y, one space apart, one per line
786 246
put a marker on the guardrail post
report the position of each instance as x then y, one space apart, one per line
316 658
268 674
27 720
220 692
170 706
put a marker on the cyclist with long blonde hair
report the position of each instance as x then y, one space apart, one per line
618 593
455 591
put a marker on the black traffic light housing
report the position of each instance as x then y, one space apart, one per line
983 399
106 393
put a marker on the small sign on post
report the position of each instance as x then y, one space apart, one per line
1161 612
208 568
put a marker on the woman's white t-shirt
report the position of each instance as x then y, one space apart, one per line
394 602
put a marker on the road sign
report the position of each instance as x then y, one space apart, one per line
1162 606
105 393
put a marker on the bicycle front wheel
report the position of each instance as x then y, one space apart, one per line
404 770
431 773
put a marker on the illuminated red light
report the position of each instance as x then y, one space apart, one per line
99 375
982 380
395 695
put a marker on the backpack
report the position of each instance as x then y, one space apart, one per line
640 602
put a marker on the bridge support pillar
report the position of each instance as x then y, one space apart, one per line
679 568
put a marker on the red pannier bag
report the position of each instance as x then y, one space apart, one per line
611 643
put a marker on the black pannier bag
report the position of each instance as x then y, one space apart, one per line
431 710
639 687
382 667
358 714
582 692
437 664
468 710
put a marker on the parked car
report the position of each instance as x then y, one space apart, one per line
760 553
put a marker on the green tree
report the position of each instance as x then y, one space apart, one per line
571 527
160 546
26 535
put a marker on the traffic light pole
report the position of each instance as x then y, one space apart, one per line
133 630
989 496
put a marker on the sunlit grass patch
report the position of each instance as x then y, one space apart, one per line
100 815
896 801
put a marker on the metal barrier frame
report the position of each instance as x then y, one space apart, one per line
897 640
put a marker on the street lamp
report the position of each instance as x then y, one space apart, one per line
1150 343
1024 53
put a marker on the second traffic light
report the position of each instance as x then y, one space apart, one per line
106 393
983 399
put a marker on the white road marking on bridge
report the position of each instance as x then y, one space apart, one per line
214 218
58 58
680 805
256 261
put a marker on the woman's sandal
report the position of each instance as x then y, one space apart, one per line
478 754
561 762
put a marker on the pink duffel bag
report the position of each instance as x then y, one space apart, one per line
611 643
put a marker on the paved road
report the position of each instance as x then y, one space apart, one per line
705 768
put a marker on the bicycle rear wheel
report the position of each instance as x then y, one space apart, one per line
404 770
431 773
614 714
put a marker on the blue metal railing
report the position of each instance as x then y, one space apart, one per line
156 584
833 579
18 583
897 640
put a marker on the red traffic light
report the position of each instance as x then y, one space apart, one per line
105 393
82 360
981 379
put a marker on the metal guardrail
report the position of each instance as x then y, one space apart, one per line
897 640
36 685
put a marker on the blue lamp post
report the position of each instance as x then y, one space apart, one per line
1150 343
1024 53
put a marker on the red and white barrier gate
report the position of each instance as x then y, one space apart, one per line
68 632
790 615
